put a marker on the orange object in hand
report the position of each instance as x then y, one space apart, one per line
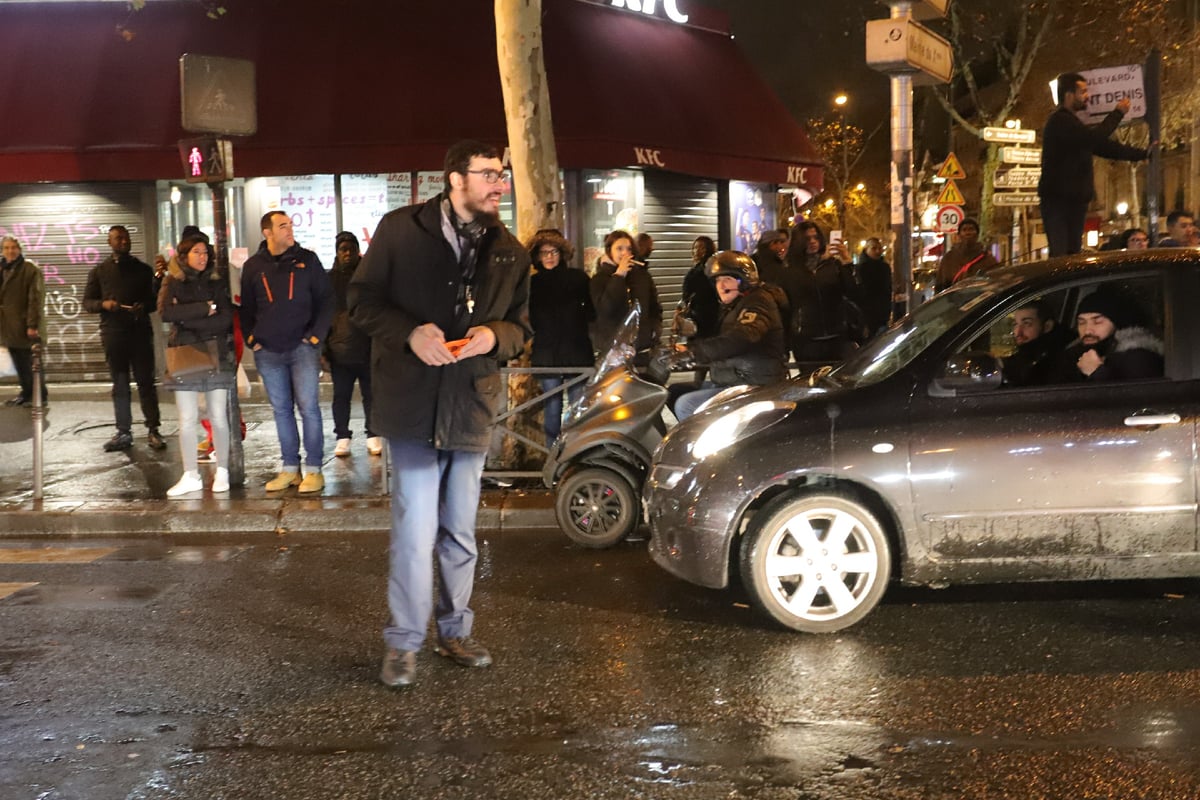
456 345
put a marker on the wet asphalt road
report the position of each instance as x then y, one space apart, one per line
246 668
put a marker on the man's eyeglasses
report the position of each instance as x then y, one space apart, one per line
492 175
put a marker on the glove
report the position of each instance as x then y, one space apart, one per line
666 360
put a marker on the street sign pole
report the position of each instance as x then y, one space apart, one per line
1154 170
237 458
902 163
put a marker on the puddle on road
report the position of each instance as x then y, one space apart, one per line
84 597
53 555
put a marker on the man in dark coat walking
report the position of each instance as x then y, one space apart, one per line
443 293
1066 186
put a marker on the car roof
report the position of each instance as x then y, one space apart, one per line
1086 265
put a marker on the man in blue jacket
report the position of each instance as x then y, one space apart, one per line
287 308
443 293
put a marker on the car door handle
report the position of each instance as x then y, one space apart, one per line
1152 420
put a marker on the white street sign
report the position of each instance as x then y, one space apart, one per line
1109 85
1015 198
1010 135
1021 155
1017 179
904 45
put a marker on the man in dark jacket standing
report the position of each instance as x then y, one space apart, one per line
22 297
348 351
287 308
121 289
1066 186
443 292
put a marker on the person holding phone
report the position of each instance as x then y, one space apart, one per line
819 282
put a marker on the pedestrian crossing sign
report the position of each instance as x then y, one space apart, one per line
952 169
950 195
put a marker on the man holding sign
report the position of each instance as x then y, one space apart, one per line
1065 188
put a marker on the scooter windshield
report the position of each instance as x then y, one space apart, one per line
618 357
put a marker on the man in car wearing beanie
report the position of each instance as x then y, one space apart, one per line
1113 345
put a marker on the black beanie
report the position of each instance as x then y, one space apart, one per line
346 236
1121 312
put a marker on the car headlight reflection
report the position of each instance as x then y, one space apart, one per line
739 423
723 396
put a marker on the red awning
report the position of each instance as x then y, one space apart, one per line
359 86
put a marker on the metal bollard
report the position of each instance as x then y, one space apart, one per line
38 412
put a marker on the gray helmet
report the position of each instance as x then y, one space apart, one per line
735 264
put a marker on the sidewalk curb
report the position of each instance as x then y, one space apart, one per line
498 511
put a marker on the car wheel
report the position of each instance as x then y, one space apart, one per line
596 507
817 563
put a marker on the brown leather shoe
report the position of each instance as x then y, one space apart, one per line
399 668
465 651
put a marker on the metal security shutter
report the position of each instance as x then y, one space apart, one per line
64 228
676 210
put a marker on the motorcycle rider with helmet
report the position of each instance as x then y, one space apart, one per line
749 347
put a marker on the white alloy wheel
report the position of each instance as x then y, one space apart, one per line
817 563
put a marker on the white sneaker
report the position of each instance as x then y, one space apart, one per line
190 482
374 445
343 448
221 480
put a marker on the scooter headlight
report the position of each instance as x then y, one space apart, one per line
739 423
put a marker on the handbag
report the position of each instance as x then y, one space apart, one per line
201 358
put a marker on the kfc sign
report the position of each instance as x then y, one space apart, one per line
669 7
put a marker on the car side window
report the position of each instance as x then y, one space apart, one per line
1100 331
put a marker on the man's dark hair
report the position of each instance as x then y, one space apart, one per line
1040 307
1179 214
969 222
119 228
265 223
710 247
458 157
1067 83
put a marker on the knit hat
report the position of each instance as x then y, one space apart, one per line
1122 312
346 236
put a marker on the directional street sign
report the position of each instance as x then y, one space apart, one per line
950 195
952 169
1015 198
1017 178
1021 155
904 45
949 218
1010 135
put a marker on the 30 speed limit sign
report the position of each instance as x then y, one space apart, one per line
949 218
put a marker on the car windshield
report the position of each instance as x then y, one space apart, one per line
886 354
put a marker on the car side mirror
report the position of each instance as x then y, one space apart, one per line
967 373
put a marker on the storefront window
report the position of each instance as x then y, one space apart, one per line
752 212
183 204
613 200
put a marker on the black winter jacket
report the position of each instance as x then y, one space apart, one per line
704 307
130 282
560 310
750 347
410 276
1067 149
183 301
817 297
613 296
286 299
1131 353
347 344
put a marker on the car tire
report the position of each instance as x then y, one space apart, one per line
802 578
596 507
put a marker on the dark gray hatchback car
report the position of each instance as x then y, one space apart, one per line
936 456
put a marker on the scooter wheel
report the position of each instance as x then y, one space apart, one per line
596 507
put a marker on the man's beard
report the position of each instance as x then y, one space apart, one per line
487 219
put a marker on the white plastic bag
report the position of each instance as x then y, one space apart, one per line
243 383
7 367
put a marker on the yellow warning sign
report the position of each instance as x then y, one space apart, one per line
950 195
951 169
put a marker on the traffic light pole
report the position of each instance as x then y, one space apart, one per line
237 461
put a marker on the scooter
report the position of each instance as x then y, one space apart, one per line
599 462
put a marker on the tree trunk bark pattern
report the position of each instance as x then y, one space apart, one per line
527 109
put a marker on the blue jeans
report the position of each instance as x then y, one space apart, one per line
291 380
686 405
435 499
553 409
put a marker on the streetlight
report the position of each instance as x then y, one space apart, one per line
840 101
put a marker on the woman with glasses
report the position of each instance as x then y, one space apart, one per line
560 310
1135 239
